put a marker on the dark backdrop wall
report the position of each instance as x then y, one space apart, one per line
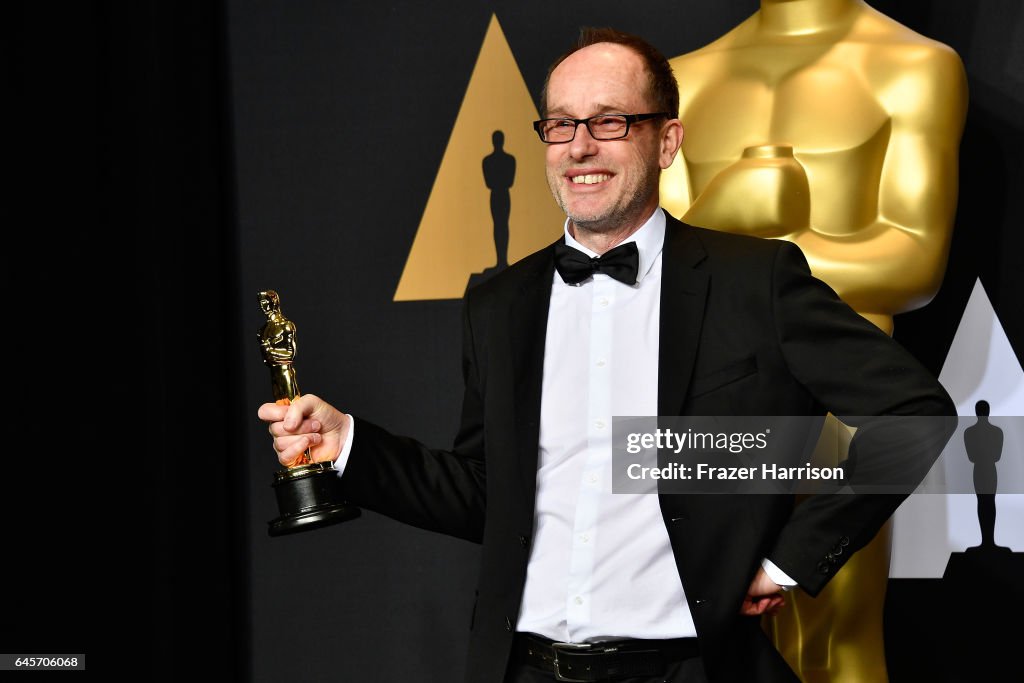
341 117
246 145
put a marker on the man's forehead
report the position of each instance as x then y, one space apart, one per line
599 73
600 57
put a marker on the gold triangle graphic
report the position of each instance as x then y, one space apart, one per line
456 236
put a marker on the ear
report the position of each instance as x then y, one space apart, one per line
671 139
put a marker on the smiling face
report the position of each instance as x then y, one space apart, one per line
607 186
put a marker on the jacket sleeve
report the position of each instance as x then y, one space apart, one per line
902 415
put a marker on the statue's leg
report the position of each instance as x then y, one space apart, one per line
837 637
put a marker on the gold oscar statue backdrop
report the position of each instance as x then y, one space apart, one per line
828 124
459 210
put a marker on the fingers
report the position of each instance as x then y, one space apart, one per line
296 414
299 409
306 423
291 448
296 430
291 413
291 444
765 604
277 429
764 596
293 418
770 604
272 412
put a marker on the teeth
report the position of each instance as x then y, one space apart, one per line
590 179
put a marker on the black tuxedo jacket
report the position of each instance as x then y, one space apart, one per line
745 330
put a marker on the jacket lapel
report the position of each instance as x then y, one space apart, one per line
528 333
683 296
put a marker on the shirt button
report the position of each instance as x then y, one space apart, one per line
584 538
578 600
523 541
600 363
599 424
603 301
593 478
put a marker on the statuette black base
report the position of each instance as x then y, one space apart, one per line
309 497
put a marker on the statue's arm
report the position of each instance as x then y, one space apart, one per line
897 263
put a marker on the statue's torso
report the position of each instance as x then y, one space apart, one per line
824 103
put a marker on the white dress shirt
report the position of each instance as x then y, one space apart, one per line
600 563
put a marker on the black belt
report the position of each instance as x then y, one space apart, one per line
606 661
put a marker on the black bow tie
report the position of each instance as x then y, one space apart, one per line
621 263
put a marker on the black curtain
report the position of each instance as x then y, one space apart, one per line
120 491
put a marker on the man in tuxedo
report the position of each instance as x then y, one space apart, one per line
631 313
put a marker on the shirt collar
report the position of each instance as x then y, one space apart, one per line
650 239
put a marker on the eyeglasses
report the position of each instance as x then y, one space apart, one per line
601 127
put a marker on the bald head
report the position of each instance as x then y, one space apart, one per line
660 88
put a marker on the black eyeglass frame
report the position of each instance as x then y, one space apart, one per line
630 120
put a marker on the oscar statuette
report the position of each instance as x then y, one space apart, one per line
308 493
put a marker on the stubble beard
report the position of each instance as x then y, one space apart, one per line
629 209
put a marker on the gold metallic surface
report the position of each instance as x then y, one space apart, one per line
277 342
873 113
828 124
300 471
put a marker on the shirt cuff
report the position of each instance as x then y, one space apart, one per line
777 575
346 448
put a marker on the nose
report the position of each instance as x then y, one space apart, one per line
583 144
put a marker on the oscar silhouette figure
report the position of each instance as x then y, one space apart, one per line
984 443
982 585
499 174
828 124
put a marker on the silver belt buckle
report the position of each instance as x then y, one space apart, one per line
569 647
